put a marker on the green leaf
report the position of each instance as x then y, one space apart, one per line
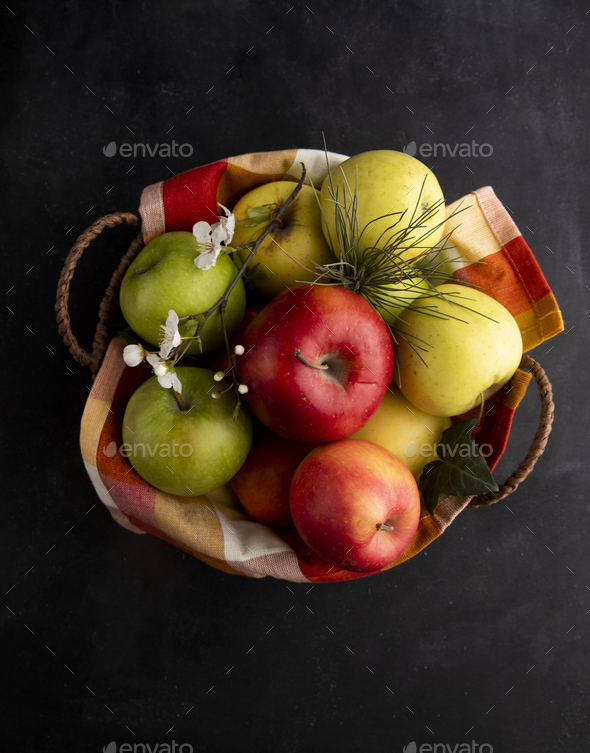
130 337
461 469
258 215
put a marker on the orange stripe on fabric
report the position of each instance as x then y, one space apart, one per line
93 420
250 171
540 323
191 521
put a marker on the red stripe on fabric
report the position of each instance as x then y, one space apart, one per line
135 500
511 275
494 428
192 196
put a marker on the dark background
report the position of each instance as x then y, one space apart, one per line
109 636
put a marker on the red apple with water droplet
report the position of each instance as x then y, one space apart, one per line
355 504
318 361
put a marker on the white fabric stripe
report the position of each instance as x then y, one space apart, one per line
315 164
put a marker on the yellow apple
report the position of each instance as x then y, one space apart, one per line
405 430
386 182
472 345
301 236
399 295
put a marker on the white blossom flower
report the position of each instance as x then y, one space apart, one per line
171 337
165 373
218 376
133 355
227 224
239 350
242 389
209 241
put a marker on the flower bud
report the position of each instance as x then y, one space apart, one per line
218 376
133 355
242 389
216 395
239 350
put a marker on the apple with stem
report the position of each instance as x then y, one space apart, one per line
318 361
288 253
355 504
190 450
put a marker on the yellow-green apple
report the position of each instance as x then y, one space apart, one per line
262 483
163 276
318 361
392 189
355 504
396 296
472 346
190 451
300 235
405 430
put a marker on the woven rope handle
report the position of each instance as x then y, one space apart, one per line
539 442
106 312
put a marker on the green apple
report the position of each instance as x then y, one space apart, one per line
472 345
186 452
300 235
399 295
163 276
405 430
386 182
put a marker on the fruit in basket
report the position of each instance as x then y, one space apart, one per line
218 360
186 452
300 235
163 276
392 189
355 504
318 361
397 295
405 430
262 483
474 348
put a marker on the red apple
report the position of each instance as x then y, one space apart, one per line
355 504
263 482
318 362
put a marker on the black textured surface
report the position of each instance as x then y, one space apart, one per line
112 637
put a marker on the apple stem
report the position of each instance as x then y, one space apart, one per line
179 400
387 526
299 357
140 270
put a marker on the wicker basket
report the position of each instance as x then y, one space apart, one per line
183 521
